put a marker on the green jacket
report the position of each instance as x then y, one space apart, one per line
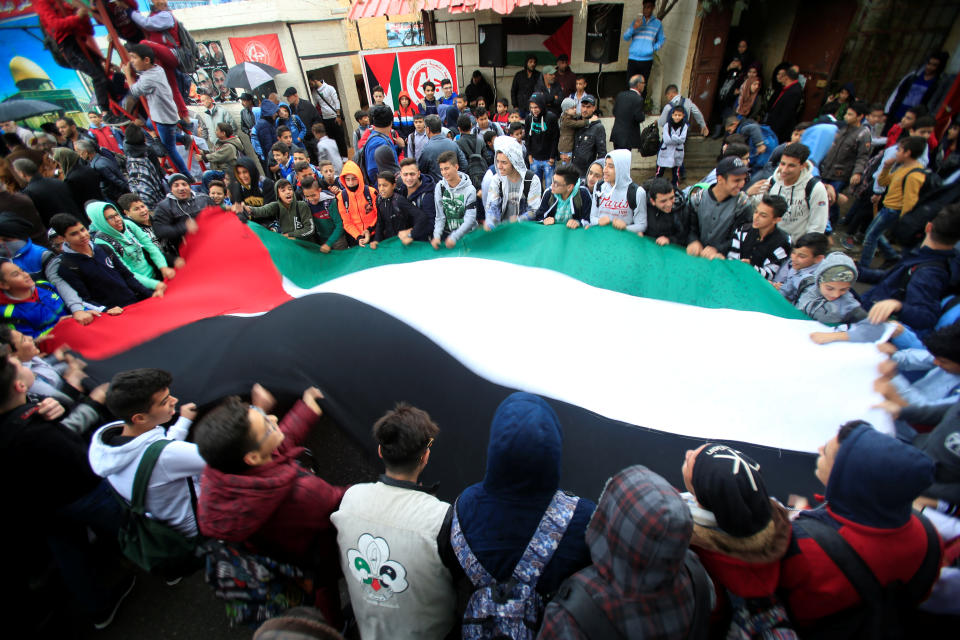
295 220
134 247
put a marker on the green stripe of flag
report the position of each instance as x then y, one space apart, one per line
600 256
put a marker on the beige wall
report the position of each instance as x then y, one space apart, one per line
321 33
461 30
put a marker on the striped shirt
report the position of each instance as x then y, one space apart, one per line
766 255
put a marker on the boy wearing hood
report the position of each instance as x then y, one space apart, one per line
403 116
356 206
131 245
792 182
293 216
97 276
142 400
456 203
714 214
871 482
499 516
248 186
514 193
618 200
740 533
542 133
175 215
568 202
825 297
265 129
252 461
640 579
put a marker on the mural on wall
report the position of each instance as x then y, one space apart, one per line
27 71
407 70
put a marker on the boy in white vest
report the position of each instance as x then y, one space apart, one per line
387 534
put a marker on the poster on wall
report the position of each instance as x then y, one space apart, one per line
407 70
404 34
27 71
213 65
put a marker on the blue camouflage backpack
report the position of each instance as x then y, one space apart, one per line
512 609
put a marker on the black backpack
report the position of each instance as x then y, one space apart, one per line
934 196
884 611
476 166
631 195
594 624
527 181
650 140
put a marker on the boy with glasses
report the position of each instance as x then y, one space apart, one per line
252 461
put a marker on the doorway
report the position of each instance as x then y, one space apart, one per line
336 132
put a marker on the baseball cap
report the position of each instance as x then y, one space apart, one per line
549 69
589 99
732 167
289 92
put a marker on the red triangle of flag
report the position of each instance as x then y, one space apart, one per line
561 42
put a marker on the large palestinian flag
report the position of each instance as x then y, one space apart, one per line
643 351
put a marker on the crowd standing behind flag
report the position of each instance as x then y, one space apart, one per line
91 223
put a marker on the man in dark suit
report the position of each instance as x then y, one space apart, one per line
308 113
49 195
782 116
628 114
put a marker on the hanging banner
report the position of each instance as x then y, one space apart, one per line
407 70
263 48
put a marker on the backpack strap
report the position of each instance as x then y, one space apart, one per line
138 496
903 185
919 585
590 618
808 189
479 576
527 181
702 596
546 539
847 560
632 196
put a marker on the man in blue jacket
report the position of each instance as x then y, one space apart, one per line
645 36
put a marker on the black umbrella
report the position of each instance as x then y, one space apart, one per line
249 75
20 109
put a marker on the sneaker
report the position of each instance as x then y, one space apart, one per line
125 591
172 582
848 243
115 120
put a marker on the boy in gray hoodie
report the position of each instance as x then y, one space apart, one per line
825 296
617 200
456 203
514 192
293 216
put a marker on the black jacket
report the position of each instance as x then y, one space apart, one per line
523 87
84 184
395 215
590 144
46 464
628 115
51 196
170 215
102 279
673 225
782 116
542 132
112 182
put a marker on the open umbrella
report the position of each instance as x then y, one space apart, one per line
249 75
20 109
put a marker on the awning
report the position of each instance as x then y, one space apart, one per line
375 8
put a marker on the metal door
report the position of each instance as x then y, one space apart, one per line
708 62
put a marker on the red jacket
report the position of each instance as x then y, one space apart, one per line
278 507
869 498
60 20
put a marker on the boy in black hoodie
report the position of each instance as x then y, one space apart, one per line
664 225
248 187
542 134
395 215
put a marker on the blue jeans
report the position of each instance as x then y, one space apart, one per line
544 170
168 136
838 185
885 219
